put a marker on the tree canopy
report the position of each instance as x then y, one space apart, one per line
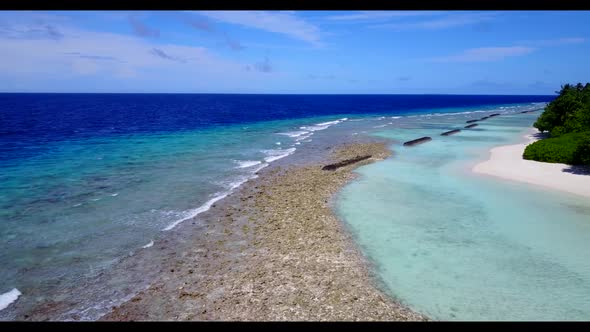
567 119
568 113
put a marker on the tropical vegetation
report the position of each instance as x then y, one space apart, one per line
567 120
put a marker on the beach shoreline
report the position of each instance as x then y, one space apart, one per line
274 250
506 162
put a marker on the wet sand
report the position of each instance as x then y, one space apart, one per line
274 250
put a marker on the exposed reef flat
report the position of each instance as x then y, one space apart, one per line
273 251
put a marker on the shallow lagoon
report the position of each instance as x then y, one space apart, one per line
458 246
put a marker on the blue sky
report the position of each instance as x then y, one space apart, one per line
491 52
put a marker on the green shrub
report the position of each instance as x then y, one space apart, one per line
567 119
582 153
572 149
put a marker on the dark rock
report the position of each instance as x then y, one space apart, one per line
470 121
495 114
450 132
471 125
346 162
484 118
418 141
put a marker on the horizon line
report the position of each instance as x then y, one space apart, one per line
288 94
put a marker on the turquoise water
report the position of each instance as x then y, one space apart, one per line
459 246
74 210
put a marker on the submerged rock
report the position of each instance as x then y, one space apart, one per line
418 141
450 132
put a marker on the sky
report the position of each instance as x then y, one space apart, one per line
303 52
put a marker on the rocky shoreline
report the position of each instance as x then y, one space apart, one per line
273 251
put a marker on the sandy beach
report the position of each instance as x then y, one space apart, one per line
506 162
274 250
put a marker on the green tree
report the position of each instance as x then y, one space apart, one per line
567 119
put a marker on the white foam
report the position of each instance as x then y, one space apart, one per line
277 154
247 163
7 298
195 212
115 194
294 134
235 184
148 245
323 125
300 138
297 143
396 117
76 205
381 126
205 207
259 168
278 143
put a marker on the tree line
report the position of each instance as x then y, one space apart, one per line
567 120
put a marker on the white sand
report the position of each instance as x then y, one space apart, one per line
506 162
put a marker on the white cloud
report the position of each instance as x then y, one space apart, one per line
81 52
555 42
449 21
377 15
286 23
486 54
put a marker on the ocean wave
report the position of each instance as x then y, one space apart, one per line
219 196
323 125
294 134
277 154
259 168
7 298
195 212
300 138
381 126
247 163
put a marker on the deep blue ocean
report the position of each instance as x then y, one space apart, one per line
88 179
